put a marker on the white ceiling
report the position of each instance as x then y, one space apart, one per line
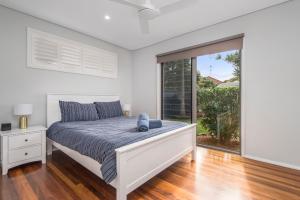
87 16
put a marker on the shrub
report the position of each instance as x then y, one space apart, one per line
223 105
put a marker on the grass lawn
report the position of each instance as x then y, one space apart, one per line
204 138
200 129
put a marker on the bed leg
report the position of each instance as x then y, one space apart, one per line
194 154
194 142
121 194
49 147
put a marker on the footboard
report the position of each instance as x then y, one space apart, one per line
139 162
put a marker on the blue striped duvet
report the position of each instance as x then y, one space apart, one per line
99 139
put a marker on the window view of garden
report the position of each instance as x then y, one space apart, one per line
218 97
218 100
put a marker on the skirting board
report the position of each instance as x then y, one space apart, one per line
272 162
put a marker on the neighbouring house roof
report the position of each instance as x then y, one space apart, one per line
214 80
229 84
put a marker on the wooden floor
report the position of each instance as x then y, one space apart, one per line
214 176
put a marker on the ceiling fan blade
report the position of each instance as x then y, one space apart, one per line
144 25
131 3
178 5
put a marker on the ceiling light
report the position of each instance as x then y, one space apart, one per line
107 17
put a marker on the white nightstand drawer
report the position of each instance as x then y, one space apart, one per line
24 154
24 140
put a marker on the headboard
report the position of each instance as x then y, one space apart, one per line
53 110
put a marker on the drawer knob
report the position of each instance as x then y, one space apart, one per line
26 140
26 154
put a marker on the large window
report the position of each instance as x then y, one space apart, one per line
177 90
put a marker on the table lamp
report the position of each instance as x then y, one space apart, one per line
23 111
126 109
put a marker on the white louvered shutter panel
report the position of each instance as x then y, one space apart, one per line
44 51
70 57
99 62
92 61
109 65
92 58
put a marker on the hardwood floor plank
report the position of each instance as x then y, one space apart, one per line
90 180
79 189
22 186
215 175
45 184
7 190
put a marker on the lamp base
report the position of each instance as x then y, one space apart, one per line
126 113
23 122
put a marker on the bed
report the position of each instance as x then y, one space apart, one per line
136 162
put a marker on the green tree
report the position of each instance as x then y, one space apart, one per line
234 59
204 82
222 103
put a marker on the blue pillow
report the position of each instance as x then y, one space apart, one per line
73 111
109 109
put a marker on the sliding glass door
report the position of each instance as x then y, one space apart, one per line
205 89
176 90
218 100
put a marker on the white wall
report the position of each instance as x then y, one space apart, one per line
19 84
270 78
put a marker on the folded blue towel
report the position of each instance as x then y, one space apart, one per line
143 125
154 123
144 116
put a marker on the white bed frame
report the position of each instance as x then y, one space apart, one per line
137 162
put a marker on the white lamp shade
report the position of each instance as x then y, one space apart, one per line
23 109
126 107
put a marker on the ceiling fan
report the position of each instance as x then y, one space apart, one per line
147 11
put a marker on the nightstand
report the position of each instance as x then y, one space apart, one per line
20 146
